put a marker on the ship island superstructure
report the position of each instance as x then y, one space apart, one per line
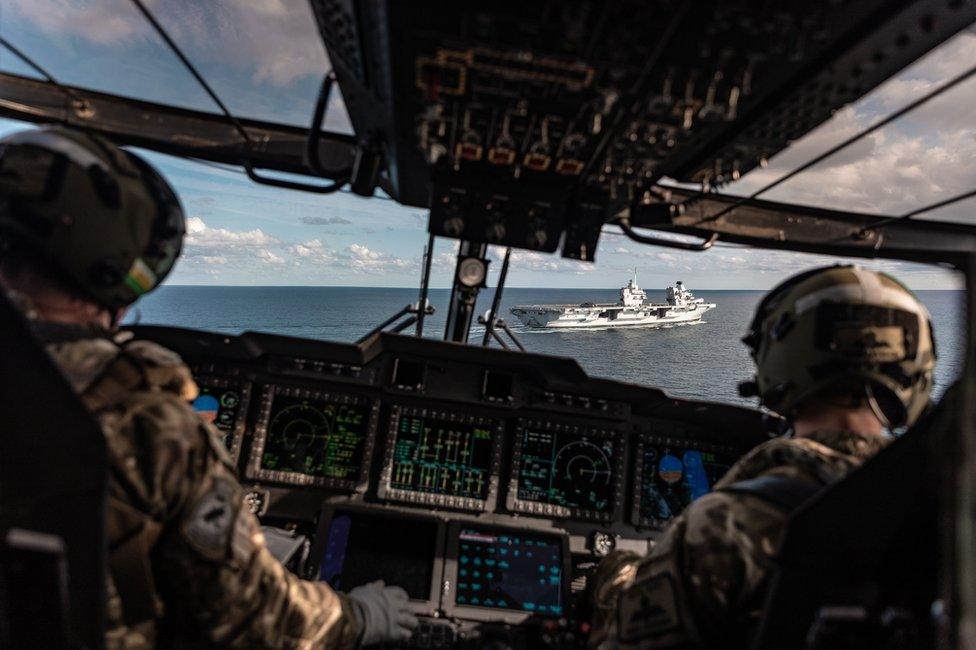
632 310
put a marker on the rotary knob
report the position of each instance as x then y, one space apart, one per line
602 544
256 502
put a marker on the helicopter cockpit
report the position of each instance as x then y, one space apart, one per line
487 480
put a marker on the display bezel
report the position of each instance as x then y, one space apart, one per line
428 607
240 422
387 492
256 472
498 614
515 504
644 440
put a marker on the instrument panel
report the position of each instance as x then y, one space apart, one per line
223 403
487 483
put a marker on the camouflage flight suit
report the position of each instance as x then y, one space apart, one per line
188 566
704 582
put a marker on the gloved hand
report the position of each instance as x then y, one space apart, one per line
383 614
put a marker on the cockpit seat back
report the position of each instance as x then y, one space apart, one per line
53 473
859 564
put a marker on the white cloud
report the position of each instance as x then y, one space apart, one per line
213 259
277 41
210 249
202 236
363 258
312 251
924 157
100 22
361 252
267 256
534 261
325 221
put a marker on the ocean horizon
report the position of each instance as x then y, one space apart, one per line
701 361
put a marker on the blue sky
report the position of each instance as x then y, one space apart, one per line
241 233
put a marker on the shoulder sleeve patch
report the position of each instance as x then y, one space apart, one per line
211 522
649 608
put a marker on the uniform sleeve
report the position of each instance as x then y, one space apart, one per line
703 583
216 578
612 576
728 547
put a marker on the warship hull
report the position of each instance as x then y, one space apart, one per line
564 317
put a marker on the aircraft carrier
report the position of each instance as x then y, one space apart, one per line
632 310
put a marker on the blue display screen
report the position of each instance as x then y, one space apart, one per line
673 478
510 570
219 406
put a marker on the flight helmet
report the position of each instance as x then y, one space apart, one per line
103 218
842 330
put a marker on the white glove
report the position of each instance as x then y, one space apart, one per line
383 613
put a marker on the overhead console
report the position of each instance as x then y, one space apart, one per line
532 124
487 483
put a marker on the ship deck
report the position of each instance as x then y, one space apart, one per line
595 305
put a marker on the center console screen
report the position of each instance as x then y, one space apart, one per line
361 547
222 403
440 458
669 477
510 570
565 471
313 438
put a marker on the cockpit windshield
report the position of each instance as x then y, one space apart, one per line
265 58
331 267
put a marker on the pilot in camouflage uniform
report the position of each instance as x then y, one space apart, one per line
187 564
838 344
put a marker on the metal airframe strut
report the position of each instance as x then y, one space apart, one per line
770 224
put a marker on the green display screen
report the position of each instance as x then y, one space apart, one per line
317 437
439 456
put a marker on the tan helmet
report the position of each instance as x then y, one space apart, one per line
842 328
102 216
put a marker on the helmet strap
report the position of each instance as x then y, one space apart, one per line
875 407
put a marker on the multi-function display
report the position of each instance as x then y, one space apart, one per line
571 470
313 438
672 477
220 403
360 548
446 456
510 570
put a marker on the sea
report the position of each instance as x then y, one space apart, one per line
702 361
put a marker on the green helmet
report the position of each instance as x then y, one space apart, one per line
102 216
838 329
